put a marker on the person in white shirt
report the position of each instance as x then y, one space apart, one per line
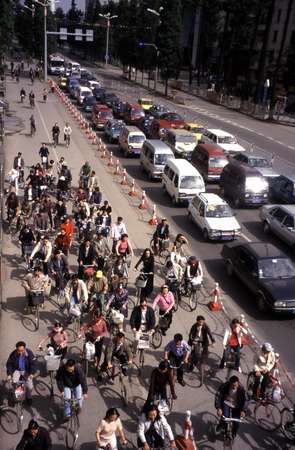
117 230
43 250
67 133
152 430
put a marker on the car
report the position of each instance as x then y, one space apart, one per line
160 126
282 189
214 217
84 74
196 129
73 88
157 110
266 271
145 124
210 161
112 129
108 98
88 103
119 109
226 141
133 113
280 220
81 93
100 115
260 162
62 82
98 93
145 103
92 84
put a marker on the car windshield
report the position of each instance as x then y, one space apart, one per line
256 184
197 130
258 162
162 159
105 114
186 139
137 112
190 182
171 116
218 211
116 127
216 161
136 139
227 140
276 268
144 101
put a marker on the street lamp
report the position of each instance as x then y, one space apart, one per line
108 18
45 5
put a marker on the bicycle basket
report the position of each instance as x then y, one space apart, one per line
141 281
37 298
165 244
52 362
144 342
117 317
20 393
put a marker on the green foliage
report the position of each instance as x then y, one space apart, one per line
6 26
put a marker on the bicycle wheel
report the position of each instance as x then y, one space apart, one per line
250 384
288 424
85 366
268 416
72 432
37 317
19 415
124 392
170 402
61 299
193 300
201 372
51 376
176 300
141 357
157 338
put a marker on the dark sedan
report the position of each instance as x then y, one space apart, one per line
98 94
109 99
88 103
266 271
145 124
119 109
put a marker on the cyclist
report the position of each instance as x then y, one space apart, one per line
193 272
165 301
152 430
59 269
62 242
85 172
60 212
67 134
13 177
44 153
32 125
96 197
160 378
22 95
107 207
19 162
99 290
43 250
21 364
12 205
233 341
26 238
124 247
264 365
64 181
92 183
148 267
96 330
107 429
102 249
68 226
58 340
103 223
87 255
142 319
200 332
117 348
55 133
230 401
117 230
60 164
71 383
35 438
177 353
32 99
76 295
35 281
161 234
119 300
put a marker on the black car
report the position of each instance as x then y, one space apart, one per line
88 103
266 271
98 94
119 109
145 124
109 99
87 75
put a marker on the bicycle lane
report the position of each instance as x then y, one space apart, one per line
12 329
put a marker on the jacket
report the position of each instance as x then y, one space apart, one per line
265 362
15 162
148 264
102 247
205 335
41 442
32 282
165 304
159 382
45 249
62 267
65 379
239 332
135 319
111 346
62 242
161 426
26 236
30 362
91 254
82 293
69 229
222 393
164 234
96 198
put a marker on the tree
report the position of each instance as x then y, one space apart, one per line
6 28
59 14
169 40
74 14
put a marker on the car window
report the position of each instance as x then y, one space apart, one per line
202 210
289 186
195 202
170 174
279 214
289 221
276 268
247 260
176 180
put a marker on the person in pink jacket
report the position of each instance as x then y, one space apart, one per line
165 301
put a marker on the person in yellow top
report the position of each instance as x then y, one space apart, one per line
107 430
263 367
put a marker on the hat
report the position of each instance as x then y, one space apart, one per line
267 347
98 274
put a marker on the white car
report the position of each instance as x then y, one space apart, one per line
214 217
224 140
92 84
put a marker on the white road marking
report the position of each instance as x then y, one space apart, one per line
245 237
47 131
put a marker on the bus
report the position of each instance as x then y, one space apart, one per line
56 65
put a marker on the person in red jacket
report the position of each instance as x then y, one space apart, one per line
68 226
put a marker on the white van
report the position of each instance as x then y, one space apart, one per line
82 92
131 140
74 68
153 157
181 180
224 140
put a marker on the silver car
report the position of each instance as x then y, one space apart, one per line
280 220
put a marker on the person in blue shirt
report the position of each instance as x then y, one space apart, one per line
177 352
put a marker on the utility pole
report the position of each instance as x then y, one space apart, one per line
108 18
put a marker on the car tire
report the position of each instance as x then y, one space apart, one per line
266 227
229 268
205 235
261 303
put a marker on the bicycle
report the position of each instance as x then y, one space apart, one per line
120 375
288 423
160 248
165 405
157 336
228 432
141 345
52 365
37 299
27 250
33 129
18 391
197 360
140 283
192 294
73 425
174 287
55 139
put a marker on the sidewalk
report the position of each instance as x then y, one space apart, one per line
16 326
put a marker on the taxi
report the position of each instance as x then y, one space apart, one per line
145 103
196 129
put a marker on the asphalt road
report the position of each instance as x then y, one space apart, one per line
15 325
277 139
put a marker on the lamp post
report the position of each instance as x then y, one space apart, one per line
158 15
108 18
45 5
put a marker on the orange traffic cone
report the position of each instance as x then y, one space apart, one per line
111 163
94 138
142 202
124 181
132 193
154 220
215 304
103 155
